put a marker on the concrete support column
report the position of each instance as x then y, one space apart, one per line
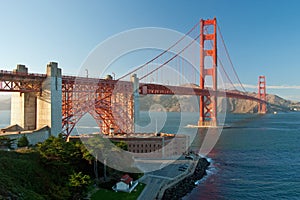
49 104
136 101
23 110
23 106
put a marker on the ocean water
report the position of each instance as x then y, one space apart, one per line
258 158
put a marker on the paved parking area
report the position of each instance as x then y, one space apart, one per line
157 179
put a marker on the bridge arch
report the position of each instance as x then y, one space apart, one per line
109 102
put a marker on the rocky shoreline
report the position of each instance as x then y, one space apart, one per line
187 184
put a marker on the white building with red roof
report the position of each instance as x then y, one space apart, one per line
126 184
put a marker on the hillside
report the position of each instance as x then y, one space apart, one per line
189 104
23 176
55 169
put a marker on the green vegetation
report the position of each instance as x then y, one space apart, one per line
19 174
23 141
122 145
54 169
112 195
105 150
79 182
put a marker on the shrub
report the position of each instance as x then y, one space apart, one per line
23 141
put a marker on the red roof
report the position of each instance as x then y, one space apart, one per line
126 179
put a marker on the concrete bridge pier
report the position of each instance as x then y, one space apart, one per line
34 111
49 103
23 106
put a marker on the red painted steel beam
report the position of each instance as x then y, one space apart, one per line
20 82
108 101
262 107
145 89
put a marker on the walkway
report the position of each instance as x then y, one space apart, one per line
155 181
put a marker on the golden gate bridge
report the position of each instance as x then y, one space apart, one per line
112 103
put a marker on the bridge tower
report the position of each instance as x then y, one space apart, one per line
49 102
208 104
262 107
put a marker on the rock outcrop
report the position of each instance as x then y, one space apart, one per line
186 185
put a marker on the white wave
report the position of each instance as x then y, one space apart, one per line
207 158
209 171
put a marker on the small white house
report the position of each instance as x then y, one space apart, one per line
126 184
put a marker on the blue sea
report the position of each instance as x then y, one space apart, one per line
257 158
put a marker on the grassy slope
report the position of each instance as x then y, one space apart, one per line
23 177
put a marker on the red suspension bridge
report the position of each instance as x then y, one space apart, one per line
194 65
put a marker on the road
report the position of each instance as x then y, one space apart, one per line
157 179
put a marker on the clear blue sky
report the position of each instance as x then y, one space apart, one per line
262 36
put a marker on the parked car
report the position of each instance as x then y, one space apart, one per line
189 157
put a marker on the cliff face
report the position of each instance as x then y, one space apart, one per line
237 105
190 104
276 103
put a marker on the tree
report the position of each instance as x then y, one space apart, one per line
86 155
56 150
101 148
109 153
23 141
79 183
52 148
70 161
79 180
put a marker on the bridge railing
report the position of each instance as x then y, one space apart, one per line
5 72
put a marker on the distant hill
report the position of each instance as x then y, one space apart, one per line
276 103
233 105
